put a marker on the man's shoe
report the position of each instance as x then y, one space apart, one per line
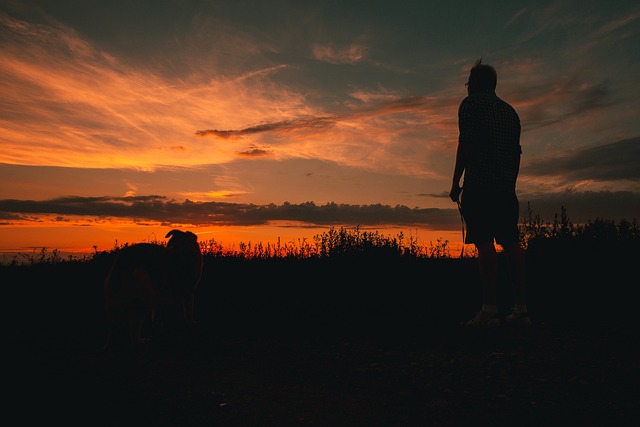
517 319
483 319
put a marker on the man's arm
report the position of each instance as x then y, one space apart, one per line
462 152
458 169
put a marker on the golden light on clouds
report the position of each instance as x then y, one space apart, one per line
213 195
87 108
346 54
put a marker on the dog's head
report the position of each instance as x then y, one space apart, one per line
179 238
185 255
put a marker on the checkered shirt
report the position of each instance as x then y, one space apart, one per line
491 128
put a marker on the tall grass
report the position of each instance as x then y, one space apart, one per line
599 235
337 242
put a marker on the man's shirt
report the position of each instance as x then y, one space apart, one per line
490 130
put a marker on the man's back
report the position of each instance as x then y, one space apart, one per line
491 129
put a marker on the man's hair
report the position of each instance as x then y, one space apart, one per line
483 76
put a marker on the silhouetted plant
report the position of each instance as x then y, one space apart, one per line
43 256
562 235
439 250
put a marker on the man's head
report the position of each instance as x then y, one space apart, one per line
482 77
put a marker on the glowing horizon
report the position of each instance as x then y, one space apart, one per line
84 236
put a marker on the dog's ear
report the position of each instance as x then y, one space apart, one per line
172 232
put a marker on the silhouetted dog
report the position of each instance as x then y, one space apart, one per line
147 281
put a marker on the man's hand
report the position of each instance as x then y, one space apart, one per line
455 192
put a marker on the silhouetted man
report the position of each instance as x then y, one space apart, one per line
489 156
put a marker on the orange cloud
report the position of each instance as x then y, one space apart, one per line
349 54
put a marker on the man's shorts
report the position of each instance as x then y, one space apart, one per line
490 215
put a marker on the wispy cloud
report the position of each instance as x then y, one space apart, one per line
608 162
618 23
72 104
349 54
395 106
281 126
564 102
254 153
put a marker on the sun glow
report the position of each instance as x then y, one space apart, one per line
78 236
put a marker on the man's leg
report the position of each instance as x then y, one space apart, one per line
487 317
518 272
488 263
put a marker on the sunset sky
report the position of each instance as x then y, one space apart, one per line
252 120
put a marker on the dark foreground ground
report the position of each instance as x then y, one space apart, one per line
375 346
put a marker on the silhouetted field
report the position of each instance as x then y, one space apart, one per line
360 337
